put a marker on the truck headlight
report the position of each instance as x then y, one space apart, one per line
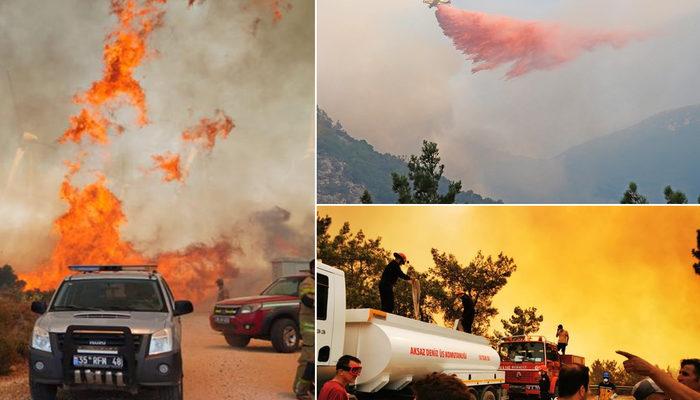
40 339
161 342
249 308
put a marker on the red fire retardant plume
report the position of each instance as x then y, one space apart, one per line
492 40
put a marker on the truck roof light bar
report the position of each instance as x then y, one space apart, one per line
100 268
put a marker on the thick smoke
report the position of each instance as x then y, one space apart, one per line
205 58
493 40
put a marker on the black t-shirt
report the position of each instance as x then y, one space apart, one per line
467 305
392 273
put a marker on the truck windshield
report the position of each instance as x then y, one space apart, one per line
109 295
522 351
283 287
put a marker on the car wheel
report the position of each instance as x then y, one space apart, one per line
39 391
284 335
237 340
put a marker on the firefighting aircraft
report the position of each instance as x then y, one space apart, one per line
435 3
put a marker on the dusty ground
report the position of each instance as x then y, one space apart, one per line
213 370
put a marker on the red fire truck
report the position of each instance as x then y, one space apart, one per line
522 359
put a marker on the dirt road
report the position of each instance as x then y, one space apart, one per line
213 370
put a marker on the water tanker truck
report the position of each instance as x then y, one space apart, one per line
395 350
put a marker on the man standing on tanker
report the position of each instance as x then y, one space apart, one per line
468 311
305 370
392 273
562 339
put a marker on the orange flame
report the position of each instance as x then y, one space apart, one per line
207 130
194 270
123 52
89 231
170 164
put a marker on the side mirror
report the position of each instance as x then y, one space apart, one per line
39 307
183 307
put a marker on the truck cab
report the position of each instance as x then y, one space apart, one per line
272 315
394 350
524 357
108 327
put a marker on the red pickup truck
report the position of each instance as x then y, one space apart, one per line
273 315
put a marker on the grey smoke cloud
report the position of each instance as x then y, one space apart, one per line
389 75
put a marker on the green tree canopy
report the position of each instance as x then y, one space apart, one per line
363 260
632 197
9 280
366 197
522 322
483 277
673 197
424 173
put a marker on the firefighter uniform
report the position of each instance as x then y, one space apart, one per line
307 289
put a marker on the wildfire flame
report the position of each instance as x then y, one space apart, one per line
206 132
89 231
170 164
202 135
124 51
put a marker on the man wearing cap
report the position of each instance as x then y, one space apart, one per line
222 293
606 389
685 387
392 273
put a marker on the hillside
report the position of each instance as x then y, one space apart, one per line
661 150
347 166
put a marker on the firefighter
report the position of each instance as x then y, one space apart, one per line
606 389
222 293
392 272
467 312
303 381
544 386
562 339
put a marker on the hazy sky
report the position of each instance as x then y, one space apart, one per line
203 58
386 71
615 277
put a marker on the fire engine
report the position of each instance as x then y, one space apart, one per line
522 359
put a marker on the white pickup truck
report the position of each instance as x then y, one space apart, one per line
395 350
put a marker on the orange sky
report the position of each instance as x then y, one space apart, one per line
616 277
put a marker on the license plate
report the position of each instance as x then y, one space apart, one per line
222 320
98 361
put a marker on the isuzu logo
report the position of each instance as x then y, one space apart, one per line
518 374
98 342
